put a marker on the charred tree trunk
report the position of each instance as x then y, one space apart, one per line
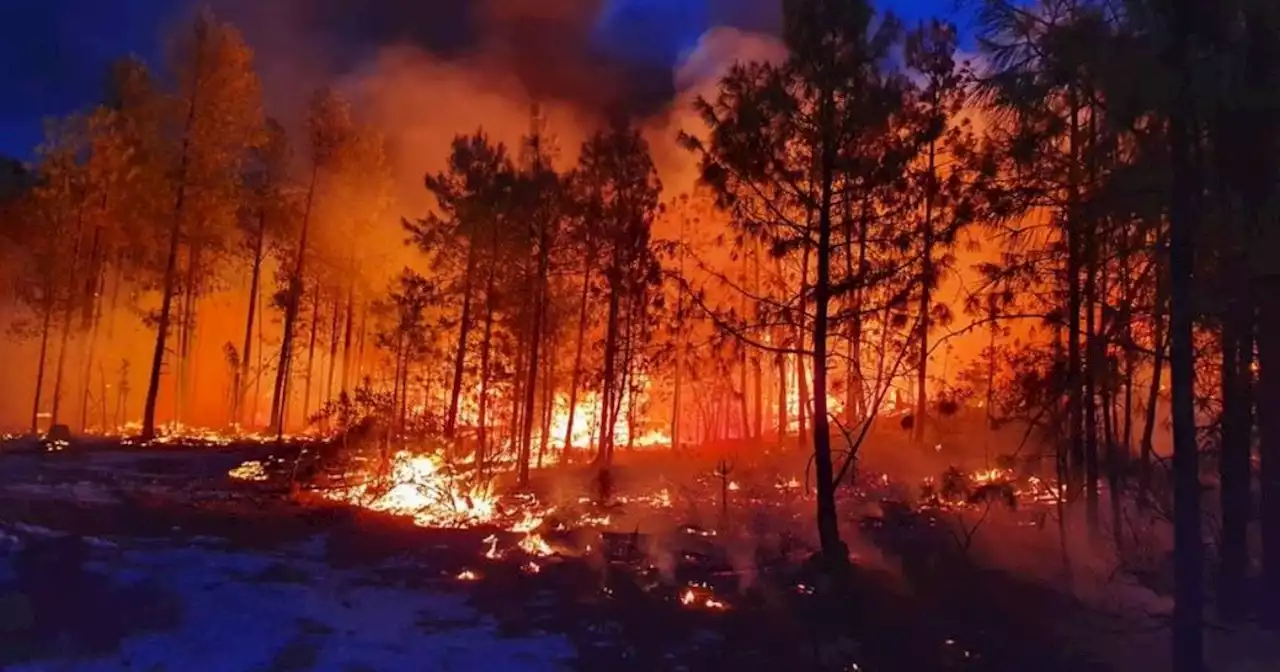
1075 395
333 345
1092 366
1188 643
604 455
346 336
171 263
802 384
1234 462
577 359
90 351
486 347
460 355
535 343
68 312
1159 345
280 399
311 354
926 300
46 324
255 277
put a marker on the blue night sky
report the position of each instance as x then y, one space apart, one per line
56 51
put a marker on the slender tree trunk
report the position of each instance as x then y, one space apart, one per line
1092 366
90 351
280 399
535 343
834 551
1188 644
676 407
1075 395
1158 344
1268 302
460 354
605 454
311 354
171 263
255 277
482 419
333 345
577 360
802 384
67 313
1234 462
46 323
346 337
548 395
926 300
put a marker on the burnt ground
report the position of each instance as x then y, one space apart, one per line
80 528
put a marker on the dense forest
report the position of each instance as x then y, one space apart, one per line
1096 184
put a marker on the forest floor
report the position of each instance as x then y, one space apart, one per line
153 559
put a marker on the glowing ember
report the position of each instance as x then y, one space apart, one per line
249 471
734 487
467 575
699 596
531 567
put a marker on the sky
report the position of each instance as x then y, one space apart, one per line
56 51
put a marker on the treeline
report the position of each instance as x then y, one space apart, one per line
177 185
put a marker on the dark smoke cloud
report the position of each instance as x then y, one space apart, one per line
597 54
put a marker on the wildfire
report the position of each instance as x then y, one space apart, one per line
421 488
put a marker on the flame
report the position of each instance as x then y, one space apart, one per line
467 575
493 553
249 471
422 489
534 544
700 596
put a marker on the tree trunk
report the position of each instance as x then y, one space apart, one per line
1075 396
171 263
1092 366
311 355
1188 644
333 344
535 344
605 450
926 300
280 399
255 277
802 384
460 355
91 350
1158 344
1268 302
346 337
46 323
482 419
577 360
1234 462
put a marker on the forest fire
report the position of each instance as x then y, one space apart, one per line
829 284
422 488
